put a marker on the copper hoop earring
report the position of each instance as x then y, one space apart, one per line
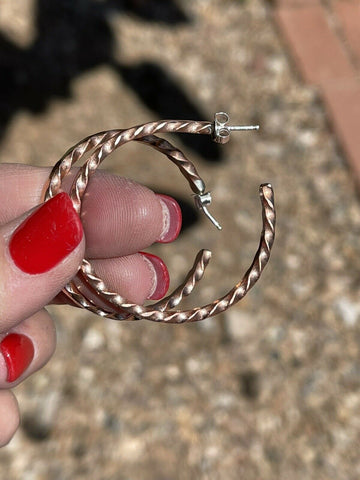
113 305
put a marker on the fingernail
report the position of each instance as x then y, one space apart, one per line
160 274
172 219
18 352
46 237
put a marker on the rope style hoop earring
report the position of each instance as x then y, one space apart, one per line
111 304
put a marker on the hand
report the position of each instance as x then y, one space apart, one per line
41 248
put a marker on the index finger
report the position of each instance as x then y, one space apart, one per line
120 216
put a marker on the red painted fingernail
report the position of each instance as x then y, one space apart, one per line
18 352
47 236
172 219
161 274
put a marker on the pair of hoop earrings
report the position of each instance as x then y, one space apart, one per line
111 304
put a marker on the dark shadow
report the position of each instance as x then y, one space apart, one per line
163 11
249 384
34 428
190 216
161 94
74 36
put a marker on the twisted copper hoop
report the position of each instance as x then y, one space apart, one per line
63 167
105 143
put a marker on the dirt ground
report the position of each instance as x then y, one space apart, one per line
270 389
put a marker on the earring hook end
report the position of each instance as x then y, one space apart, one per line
201 202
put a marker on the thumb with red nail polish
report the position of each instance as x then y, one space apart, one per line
42 251
39 253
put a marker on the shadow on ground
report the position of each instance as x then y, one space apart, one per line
74 36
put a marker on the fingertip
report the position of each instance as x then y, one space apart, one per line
26 348
172 218
18 352
160 274
120 217
135 277
9 416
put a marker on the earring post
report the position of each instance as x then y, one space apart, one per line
221 130
237 128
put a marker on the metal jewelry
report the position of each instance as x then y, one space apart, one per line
111 304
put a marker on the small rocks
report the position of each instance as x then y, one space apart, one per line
93 339
348 310
240 324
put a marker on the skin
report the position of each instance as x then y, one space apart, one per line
120 218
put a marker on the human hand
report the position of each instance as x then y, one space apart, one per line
41 248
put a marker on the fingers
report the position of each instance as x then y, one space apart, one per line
26 348
9 417
138 277
120 217
39 253
41 250
23 351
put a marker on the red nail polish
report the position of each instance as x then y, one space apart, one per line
161 274
47 236
172 219
18 352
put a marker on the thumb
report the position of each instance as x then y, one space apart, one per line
39 253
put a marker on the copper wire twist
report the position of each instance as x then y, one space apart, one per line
112 304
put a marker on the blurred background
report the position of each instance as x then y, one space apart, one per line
268 390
